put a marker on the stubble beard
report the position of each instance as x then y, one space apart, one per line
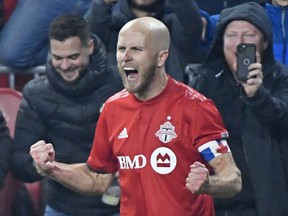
143 88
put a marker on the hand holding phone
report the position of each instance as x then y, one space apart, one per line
246 55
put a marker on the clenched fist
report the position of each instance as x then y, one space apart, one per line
43 155
198 178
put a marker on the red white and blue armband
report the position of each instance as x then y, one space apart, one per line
213 149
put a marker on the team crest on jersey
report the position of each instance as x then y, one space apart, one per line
166 132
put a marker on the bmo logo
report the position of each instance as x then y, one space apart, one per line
125 162
162 161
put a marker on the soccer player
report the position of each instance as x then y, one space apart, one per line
166 140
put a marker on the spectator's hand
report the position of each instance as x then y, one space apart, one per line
110 2
255 79
198 178
43 155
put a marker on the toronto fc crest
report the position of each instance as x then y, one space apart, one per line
166 132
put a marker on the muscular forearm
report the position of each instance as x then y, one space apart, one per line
224 188
80 178
227 179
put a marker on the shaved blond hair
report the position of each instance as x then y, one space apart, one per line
155 31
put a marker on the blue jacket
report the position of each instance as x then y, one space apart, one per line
279 19
216 6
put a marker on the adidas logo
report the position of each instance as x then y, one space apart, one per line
123 134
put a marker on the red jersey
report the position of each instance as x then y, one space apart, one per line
152 144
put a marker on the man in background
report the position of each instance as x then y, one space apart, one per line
63 107
254 110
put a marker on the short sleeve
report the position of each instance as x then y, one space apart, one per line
208 124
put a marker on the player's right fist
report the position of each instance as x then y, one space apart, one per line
43 155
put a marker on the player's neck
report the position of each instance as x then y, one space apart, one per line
154 89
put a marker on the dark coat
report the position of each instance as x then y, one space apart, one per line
66 116
181 17
256 125
5 146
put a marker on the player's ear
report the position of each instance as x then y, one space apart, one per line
162 56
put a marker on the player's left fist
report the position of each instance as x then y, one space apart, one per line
198 178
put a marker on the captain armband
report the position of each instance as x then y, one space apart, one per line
214 149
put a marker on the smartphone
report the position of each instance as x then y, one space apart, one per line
246 55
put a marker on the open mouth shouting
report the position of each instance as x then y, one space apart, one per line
131 73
